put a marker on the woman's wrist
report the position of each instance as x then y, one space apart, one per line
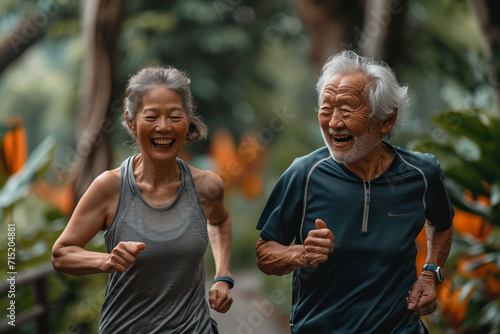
226 279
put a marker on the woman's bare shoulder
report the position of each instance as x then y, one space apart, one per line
208 183
105 187
210 188
108 180
99 202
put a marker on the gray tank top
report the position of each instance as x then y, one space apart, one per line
163 291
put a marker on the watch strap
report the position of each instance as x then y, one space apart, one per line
436 270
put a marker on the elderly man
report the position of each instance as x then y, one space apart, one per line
372 198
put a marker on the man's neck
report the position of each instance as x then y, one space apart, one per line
374 163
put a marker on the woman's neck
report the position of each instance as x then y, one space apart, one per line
156 174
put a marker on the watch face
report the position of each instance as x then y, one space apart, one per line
439 274
438 271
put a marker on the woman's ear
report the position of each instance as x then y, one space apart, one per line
389 122
131 123
190 131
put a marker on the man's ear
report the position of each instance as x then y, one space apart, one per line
389 122
131 123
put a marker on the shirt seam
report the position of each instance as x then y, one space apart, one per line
311 170
424 178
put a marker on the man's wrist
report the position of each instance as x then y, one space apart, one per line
435 270
429 276
297 259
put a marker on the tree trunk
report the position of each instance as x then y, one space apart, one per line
332 25
372 27
487 13
101 26
26 33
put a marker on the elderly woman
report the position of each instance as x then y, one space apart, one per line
371 198
158 214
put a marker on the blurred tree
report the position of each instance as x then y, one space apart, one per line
331 26
33 20
373 27
487 13
101 26
19 40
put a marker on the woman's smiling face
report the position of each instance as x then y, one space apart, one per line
160 124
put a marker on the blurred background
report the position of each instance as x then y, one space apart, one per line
253 64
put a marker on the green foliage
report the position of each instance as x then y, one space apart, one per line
37 226
219 43
17 186
468 150
443 64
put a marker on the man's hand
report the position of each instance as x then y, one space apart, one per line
318 245
422 297
123 255
219 297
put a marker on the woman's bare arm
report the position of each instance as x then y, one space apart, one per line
219 225
92 214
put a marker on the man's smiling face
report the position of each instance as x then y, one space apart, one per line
347 127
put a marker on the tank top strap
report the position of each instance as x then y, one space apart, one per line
125 195
189 186
128 174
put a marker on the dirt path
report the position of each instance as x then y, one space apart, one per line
251 312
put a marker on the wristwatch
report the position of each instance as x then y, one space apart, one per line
436 270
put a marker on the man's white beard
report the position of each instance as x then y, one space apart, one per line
363 145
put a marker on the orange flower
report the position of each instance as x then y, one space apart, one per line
252 185
241 165
253 156
493 286
14 146
421 242
476 266
224 152
471 224
451 308
59 196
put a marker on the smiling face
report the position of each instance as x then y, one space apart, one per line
160 124
347 127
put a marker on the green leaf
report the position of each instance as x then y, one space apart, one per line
468 288
465 123
17 185
152 21
491 313
467 149
467 177
462 244
477 249
495 193
495 134
456 194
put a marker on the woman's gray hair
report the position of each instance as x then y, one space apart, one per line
151 77
383 93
